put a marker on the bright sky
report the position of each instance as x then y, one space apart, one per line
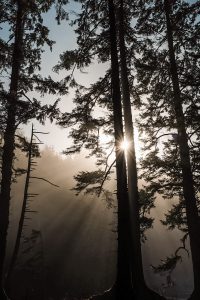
65 39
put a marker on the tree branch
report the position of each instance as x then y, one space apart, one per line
106 175
41 178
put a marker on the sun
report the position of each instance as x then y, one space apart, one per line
125 145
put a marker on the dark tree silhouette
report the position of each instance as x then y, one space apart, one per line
123 281
33 151
171 111
139 287
22 217
188 181
24 58
82 114
8 149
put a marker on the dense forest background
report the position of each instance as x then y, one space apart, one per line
99 109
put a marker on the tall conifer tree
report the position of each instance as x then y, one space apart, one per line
185 161
140 289
24 19
123 281
89 46
8 149
168 60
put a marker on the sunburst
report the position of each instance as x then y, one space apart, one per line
125 145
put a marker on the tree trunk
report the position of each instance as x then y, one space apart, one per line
140 289
21 221
123 282
188 184
8 148
136 257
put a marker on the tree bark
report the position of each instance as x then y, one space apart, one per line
123 281
9 135
188 183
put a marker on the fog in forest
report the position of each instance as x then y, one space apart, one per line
77 242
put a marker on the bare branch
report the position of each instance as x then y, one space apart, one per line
40 132
41 178
106 175
26 97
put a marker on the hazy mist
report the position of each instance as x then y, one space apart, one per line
78 239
